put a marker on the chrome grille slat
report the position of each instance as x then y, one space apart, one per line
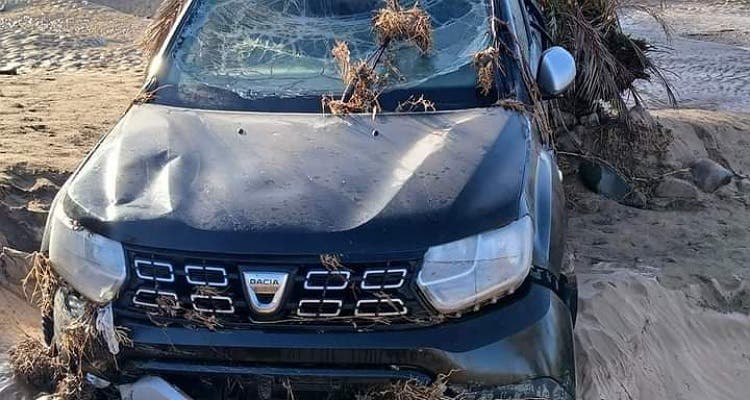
193 281
156 293
140 263
385 273
328 274
214 310
319 303
388 305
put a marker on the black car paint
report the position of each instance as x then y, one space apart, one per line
303 184
524 336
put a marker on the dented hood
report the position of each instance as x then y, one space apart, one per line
258 183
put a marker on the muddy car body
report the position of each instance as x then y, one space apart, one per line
328 251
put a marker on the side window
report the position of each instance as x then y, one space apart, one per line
536 39
519 26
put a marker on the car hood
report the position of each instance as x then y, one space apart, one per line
259 183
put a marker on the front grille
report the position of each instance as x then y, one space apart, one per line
168 285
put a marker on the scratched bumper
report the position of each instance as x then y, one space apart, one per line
525 342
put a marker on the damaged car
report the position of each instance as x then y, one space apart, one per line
251 239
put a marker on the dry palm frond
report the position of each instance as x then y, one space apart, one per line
161 25
609 61
486 63
393 23
45 284
414 104
33 362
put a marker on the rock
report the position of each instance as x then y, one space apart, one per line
635 199
709 175
590 120
672 187
9 70
640 116
14 266
686 148
743 186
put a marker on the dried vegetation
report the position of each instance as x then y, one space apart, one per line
414 103
80 345
609 60
413 390
393 23
43 284
486 64
609 64
34 363
160 26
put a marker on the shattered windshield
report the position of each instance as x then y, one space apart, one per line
276 54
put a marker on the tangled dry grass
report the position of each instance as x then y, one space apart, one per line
393 23
486 63
80 345
414 103
365 82
331 262
160 26
43 282
34 363
413 390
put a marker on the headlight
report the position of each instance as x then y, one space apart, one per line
459 275
90 263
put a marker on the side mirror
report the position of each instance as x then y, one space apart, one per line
557 71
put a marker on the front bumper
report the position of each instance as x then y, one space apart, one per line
524 343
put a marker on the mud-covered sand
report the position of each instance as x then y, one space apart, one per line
664 293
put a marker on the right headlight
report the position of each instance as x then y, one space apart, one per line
460 275
92 264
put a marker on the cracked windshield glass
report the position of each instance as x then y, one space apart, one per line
275 55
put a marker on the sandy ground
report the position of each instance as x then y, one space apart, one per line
664 293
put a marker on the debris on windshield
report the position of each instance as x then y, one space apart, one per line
416 104
160 26
393 23
486 62
366 84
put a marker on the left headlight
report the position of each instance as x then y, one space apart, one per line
90 263
463 274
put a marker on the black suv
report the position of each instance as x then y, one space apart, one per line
243 235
